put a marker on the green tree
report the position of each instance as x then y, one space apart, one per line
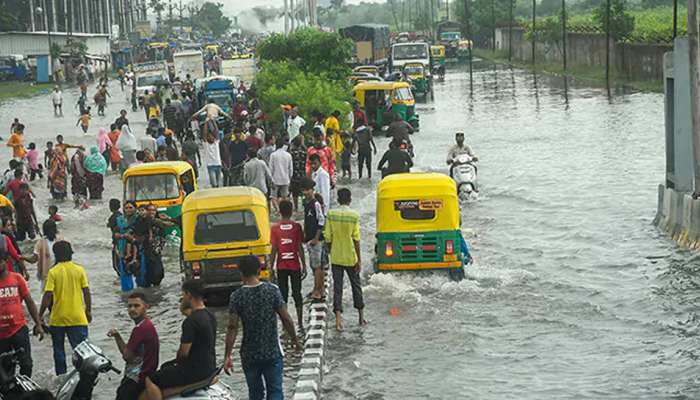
621 22
210 18
283 82
311 50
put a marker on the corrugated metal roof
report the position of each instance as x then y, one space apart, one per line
44 33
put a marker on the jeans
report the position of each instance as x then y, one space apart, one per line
354 276
214 175
271 371
76 335
20 340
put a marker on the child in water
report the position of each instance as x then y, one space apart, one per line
33 160
84 121
345 155
53 214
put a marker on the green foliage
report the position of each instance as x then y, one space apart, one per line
283 82
485 16
210 18
313 51
621 22
55 50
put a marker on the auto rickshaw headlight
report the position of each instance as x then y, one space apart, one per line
389 249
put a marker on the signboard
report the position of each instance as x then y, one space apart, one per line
423 204
143 28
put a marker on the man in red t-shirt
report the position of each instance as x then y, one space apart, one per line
141 352
14 334
7 246
288 255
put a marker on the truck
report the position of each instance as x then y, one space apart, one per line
409 53
243 68
148 76
371 43
190 63
449 35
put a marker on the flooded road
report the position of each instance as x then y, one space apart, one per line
573 293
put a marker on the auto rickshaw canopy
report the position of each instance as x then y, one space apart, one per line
437 51
222 200
400 91
422 193
160 167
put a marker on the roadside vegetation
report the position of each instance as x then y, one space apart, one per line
18 89
306 68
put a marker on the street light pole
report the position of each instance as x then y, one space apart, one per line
41 13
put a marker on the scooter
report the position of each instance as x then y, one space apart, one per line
89 362
464 171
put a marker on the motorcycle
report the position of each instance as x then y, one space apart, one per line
89 362
438 71
463 171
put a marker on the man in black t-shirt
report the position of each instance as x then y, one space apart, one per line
196 357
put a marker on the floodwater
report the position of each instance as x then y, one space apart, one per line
573 293
87 231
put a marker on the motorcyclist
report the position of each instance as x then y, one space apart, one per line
399 130
397 160
459 149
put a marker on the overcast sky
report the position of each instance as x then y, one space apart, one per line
234 7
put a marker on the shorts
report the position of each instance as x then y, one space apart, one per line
315 255
280 191
295 187
173 376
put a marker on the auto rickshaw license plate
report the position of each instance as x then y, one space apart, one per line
230 266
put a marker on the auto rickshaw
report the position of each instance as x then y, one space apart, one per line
437 55
418 225
419 77
463 50
220 226
370 69
164 184
380 99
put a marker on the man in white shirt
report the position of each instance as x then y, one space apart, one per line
281 169
322 179
148 142
212 159
57 100
294 124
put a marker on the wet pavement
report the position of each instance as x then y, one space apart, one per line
573 293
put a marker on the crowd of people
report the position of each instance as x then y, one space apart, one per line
241 148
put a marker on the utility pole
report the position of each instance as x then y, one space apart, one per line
31 15
468 17
493 25
534 29
510 31
694 89
563 33
292 15
607 40
675 18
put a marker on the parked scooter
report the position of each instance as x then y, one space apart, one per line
463 171
89 362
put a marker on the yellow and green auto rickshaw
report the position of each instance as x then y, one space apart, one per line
219 227
463 50
381 99
418 225
164 184
437 55
419 77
